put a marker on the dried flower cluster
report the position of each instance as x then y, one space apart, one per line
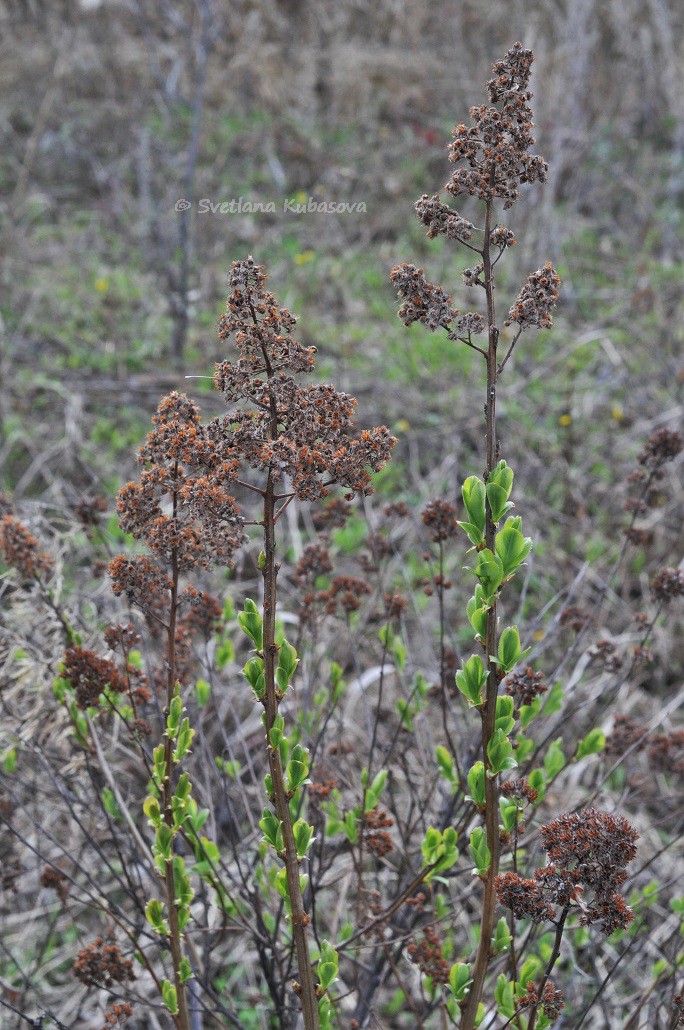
306 433
495 149
588 852
101 964
667 584
21 550
551 1000
90 676
536 300
661 448
441 519
441 220
422 301
525 686
427 955
181 507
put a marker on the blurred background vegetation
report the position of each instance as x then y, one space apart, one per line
113 111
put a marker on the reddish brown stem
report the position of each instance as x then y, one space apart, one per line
491 646
300 920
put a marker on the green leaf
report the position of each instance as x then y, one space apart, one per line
170 997
509 651
471 679
303 836
476 784
554 700
287 663
9 759
594 742
501 941
477 613
203 691
554 760
110 805
250 622
511 546
276 732
479 851
460 980
272 830
152 810
375 790
327 967
503 995
473 493
254 674
504 713
185 736
490 572
174 717
185 970
500 753
499 486
537 780
445 763
154 913
439 849
297 769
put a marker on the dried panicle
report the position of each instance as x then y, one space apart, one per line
662 447
536 300
521 790
441 519
377 549
667 584
495 150
597 844
262 330
395 606
89 676
666 752
588 852
181 507
101 964
525 686
524 897
203 615
375 836
117 1015
573 617
397 510
54 879
606 652
122 638
427 955
471 323
314 562
20 550
638 537
143 582
552 1003
473 276
333 515
627 735
441 220
345 593
89 511
422 301
305 433
501 237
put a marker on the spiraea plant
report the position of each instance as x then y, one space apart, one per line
494 160
322 804
289 441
